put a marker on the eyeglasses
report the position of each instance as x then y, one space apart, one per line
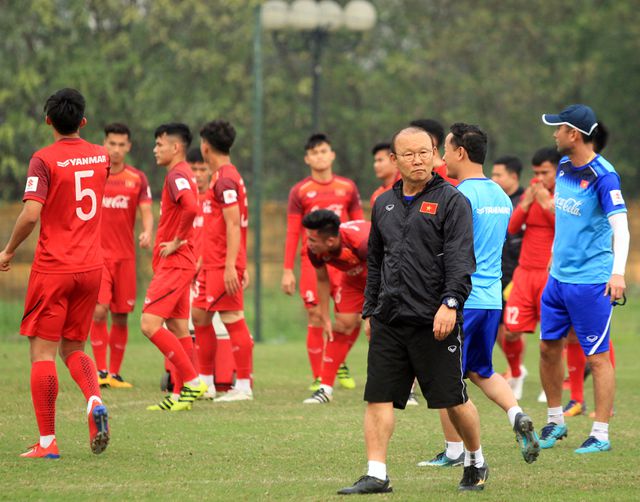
410 156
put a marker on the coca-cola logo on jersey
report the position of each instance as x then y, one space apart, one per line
569 205
117 202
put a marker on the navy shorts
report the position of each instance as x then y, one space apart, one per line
480 331
583 306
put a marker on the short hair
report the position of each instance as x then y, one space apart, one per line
433 127
220 134
600 137
177 129
194 156
472 139
412 129
117 128
325 221
379 147
511 164
546 154
315 140
65 109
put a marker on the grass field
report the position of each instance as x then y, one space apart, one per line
276 448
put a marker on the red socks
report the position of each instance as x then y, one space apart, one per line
242 344
206 344
44 391
513 350
117 343
225 364
174 351
99 342
315 348
576 362
335 354
612 354
83 371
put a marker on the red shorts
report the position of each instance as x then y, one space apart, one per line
349 295
168 293
309 282
211 292
118 286
60 305
522 311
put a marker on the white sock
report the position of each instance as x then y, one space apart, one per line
175 396
92 399
473 457
195 382
243 384
208 379
328 390
45 441
600 431
555 415
453 449
377 470
512 412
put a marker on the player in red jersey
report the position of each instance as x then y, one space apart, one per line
342 247
224 260
436 131
321 190
385 171
174 266
127 191
65 184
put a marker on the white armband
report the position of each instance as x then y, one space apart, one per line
621 239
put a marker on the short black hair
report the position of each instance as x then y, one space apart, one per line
65 109
325 221
600 137
379 147
546 154
315 140
194 156
175 129
511 164
117 128
220 134
472 139
433 127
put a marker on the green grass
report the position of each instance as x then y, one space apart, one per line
276 448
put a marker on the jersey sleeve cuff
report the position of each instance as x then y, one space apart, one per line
33 197
617 211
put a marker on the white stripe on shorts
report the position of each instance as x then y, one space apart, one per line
604 333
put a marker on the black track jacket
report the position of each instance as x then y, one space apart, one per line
419 253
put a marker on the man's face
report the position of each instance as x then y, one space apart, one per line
320 244
320 157
165 150
507 180
117 145
565 137
414 156
202 175
453 156
545 173
382 165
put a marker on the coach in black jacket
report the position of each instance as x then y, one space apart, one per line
420 261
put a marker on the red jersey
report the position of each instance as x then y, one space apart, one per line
339 194
442 171
351 258
124 192
204 207
68 178
227 189
538 235
178 208
382 189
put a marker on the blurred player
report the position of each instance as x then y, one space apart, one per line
126 191
321 190
174 266
343 247
384 169
586 280
65 184
224 261
534 213
436 131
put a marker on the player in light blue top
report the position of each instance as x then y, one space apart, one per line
587 272
465 151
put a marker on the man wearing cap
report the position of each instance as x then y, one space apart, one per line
587 272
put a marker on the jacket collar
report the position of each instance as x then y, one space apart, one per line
436 180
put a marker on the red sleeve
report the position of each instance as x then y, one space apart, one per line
225 192
295 204
38 180
315 261
549 216
189 205
178 185
144 197
518 218
355 206
294 226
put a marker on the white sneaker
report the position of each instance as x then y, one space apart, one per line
542 398
517 383
210 394
235 395
318 397
413 400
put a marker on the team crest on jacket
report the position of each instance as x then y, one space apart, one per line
584 184
429 207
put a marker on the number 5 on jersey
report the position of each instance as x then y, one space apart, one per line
81 193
